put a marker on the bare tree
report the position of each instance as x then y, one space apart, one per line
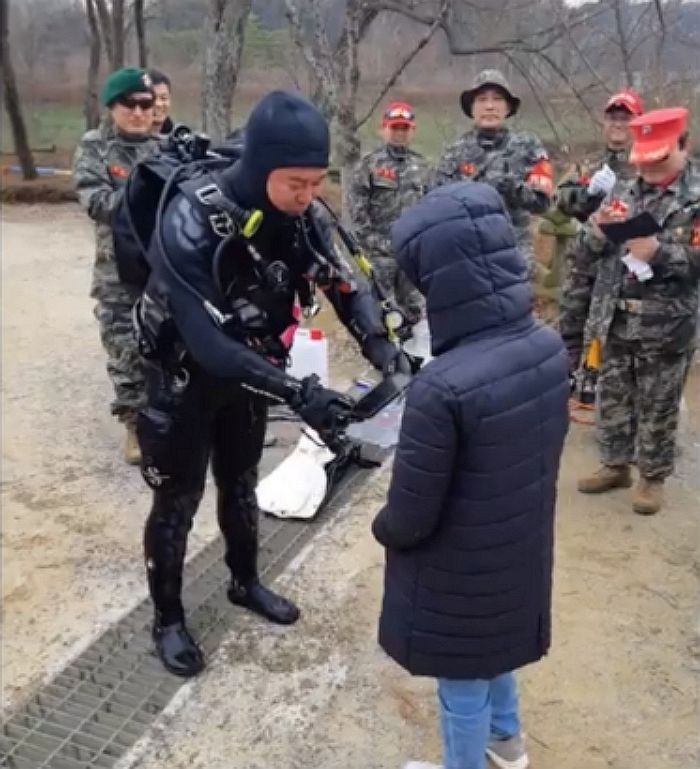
92 105
335 67
112 19
140 25
104 14
224 35
12 100
118 34
621 28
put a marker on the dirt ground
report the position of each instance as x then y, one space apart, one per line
619 688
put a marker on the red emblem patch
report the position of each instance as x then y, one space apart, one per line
118 171
695 233
385 172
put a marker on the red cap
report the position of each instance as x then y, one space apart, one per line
656 133
315 334
628 99
399 113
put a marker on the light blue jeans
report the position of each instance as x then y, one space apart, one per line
470 712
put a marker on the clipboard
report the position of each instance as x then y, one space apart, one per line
641 226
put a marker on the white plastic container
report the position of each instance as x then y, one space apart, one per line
309 354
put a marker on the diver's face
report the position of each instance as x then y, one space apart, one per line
291 190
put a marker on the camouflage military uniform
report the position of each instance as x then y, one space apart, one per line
516 164
581 271
101 165
386 182
647 328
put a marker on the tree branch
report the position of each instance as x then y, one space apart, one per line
106 29
317 67
535 92
579 96
432 29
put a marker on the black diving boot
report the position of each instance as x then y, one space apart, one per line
177 650
257 598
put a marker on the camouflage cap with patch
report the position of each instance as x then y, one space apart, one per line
123 82
489 78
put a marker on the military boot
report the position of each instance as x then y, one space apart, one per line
606 478
648 496
132 450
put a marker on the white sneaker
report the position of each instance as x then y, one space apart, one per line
508 754
421 765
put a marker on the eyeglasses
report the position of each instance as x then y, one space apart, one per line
399 113
131 103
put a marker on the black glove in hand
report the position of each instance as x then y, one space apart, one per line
507 187
386 356
324 410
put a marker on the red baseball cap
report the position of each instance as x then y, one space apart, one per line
627 99
656 133
399 113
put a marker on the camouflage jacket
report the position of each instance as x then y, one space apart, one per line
661 312
516 164
384 183
101 165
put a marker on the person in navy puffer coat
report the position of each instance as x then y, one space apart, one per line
468 525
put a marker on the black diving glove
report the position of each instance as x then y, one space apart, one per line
386 357
326 411
509 188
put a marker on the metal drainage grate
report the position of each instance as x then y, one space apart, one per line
105 700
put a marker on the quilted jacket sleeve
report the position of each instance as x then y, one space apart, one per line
422 468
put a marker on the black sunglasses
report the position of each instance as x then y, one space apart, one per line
132 103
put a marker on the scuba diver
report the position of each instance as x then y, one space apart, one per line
233 251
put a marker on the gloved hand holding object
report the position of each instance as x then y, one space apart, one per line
507 187
326 411
602 182
387 357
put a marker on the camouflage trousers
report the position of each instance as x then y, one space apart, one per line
124 365
395 283
639 397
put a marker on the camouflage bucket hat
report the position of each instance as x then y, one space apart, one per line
489 78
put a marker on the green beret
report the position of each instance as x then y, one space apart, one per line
125 81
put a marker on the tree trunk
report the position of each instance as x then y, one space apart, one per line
92 105
623 43
347 150
140 24
105 18
12 100
224 33
118 33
